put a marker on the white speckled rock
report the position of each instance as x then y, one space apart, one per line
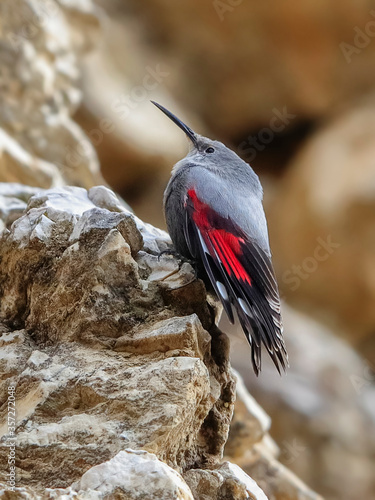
135 475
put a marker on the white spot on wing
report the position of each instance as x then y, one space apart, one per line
222 290
244 307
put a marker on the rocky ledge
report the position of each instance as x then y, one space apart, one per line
123 382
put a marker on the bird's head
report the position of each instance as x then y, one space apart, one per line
205 151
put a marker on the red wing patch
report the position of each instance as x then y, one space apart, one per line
226 245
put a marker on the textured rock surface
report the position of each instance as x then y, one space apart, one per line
249 425
135 475
99 343
116 361
41 42
226 481
332 261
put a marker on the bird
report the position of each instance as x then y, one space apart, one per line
215 218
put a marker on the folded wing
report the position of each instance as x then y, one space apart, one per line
242 276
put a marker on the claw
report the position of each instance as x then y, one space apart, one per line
170 251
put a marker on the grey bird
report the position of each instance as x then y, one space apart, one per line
215 217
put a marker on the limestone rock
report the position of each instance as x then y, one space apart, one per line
26 493
249 425
104 358
276 480
123 384
41 42
135 475
226 481
13 201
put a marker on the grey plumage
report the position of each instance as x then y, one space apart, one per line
214 213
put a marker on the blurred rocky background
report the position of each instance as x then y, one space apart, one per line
288 85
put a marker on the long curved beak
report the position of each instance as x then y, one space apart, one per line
179 123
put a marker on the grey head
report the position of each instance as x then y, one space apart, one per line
215 157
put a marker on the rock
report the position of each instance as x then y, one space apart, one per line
249 425
13 201
135 475
227 481
276 480
102 357
41 42
332 260
18 164
123 386
26 493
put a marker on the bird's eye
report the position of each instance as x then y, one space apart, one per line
210 150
